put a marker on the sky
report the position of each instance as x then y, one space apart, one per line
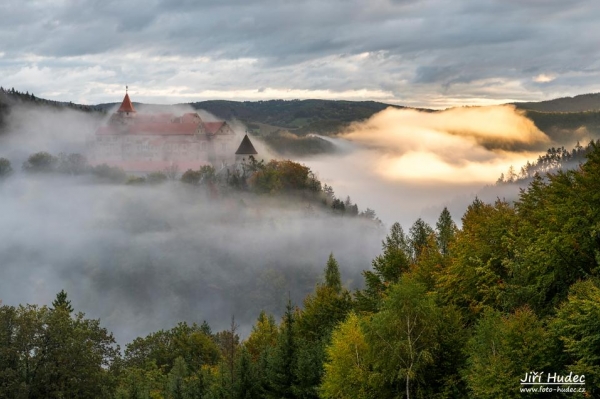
421 53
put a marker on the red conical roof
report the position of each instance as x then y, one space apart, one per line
126 105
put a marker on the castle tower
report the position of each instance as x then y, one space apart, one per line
126 107
244 150
126 112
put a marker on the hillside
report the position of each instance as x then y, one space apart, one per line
298 116
563 125
10 98
580 103
563 118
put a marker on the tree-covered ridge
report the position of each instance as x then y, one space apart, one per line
298 116
11 96
289 126
580 103
553 160
446 312
561 126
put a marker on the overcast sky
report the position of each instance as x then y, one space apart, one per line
433 53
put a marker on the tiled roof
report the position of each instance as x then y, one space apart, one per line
163 129
213 127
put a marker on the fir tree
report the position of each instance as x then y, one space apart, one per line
333 279
283 360
61 302
446 229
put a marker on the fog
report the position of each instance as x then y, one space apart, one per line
407 164
142 258
44 128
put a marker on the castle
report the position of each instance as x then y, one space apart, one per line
141 143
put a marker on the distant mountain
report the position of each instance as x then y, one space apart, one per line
581 103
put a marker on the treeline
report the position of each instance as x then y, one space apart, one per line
298 116
281 178
553 160
285 142
446 312
12 96
555 124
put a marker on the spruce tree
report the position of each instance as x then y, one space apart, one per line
446 229
387 269
176 382
333 279
418 235
283 360
61 302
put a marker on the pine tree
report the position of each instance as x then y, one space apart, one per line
418 236
387 269
446 229
176 385
61 302
246 386
283 361
205 328
333 279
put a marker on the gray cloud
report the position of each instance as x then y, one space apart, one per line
433 52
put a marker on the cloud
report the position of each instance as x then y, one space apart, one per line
407 164
425 53
544 78
459 145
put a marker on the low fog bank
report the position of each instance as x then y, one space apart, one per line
145 258
354 174
407 164
30 129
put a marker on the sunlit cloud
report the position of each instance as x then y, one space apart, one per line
472 144
544 78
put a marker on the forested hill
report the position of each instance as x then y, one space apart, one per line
581 103
298 116
567 118
10 98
